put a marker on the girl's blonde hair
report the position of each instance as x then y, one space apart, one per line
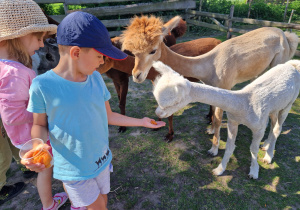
17 50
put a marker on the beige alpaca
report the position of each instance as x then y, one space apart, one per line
233 61
270 95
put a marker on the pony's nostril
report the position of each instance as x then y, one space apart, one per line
138 75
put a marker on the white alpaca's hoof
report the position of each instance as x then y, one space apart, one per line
267 159
265 146
213 151
218 171
210 130
253 174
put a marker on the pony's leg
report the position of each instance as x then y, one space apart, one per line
232 128
254 148
210 115
276 132
121 81
211 129
274 118
169 137
216 124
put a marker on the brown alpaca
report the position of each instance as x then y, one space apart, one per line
119 71
231 62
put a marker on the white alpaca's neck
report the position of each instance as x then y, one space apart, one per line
230 101
199 67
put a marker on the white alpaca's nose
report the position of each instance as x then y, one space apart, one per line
160 113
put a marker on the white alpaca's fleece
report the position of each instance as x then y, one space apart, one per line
269 96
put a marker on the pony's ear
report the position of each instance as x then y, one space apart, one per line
168 26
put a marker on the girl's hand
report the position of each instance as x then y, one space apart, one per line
37 167
150 123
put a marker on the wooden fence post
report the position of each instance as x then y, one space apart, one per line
186 17
249 10
291 16
66 7
286 6
200 9
290 19
230 21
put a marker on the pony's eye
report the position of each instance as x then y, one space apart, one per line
152 52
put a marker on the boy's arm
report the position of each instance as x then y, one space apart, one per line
39 130
40 126
122 120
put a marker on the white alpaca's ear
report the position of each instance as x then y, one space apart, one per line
295 63
160 67
163 68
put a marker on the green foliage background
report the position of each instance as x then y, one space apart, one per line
259 8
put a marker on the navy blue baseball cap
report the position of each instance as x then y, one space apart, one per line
85 30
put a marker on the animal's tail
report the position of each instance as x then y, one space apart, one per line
295 63
180 29
293 42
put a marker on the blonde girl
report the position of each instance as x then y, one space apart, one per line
23 26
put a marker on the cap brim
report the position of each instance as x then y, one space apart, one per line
112 52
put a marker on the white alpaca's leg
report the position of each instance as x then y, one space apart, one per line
276 132
232 129
254 148
217 120
274 118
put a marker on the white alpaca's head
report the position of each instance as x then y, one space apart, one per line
171 90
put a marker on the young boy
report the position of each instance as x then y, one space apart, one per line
71 102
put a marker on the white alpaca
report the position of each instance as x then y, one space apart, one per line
270 95
234 61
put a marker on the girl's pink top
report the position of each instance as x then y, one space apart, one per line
15 80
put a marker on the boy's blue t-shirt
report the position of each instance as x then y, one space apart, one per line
77 122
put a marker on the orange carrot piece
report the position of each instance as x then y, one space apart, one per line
153 122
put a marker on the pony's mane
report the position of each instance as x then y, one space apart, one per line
142 34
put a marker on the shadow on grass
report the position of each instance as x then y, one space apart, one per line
151 174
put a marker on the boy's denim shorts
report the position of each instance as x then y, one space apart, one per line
85 192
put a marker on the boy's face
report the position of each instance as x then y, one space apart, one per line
90 59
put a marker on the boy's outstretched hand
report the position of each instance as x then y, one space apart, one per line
150 123
37 167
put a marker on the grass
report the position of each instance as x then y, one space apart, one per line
152 174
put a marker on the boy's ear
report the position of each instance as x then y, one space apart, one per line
74 52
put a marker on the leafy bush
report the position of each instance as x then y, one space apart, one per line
53 9
259 9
